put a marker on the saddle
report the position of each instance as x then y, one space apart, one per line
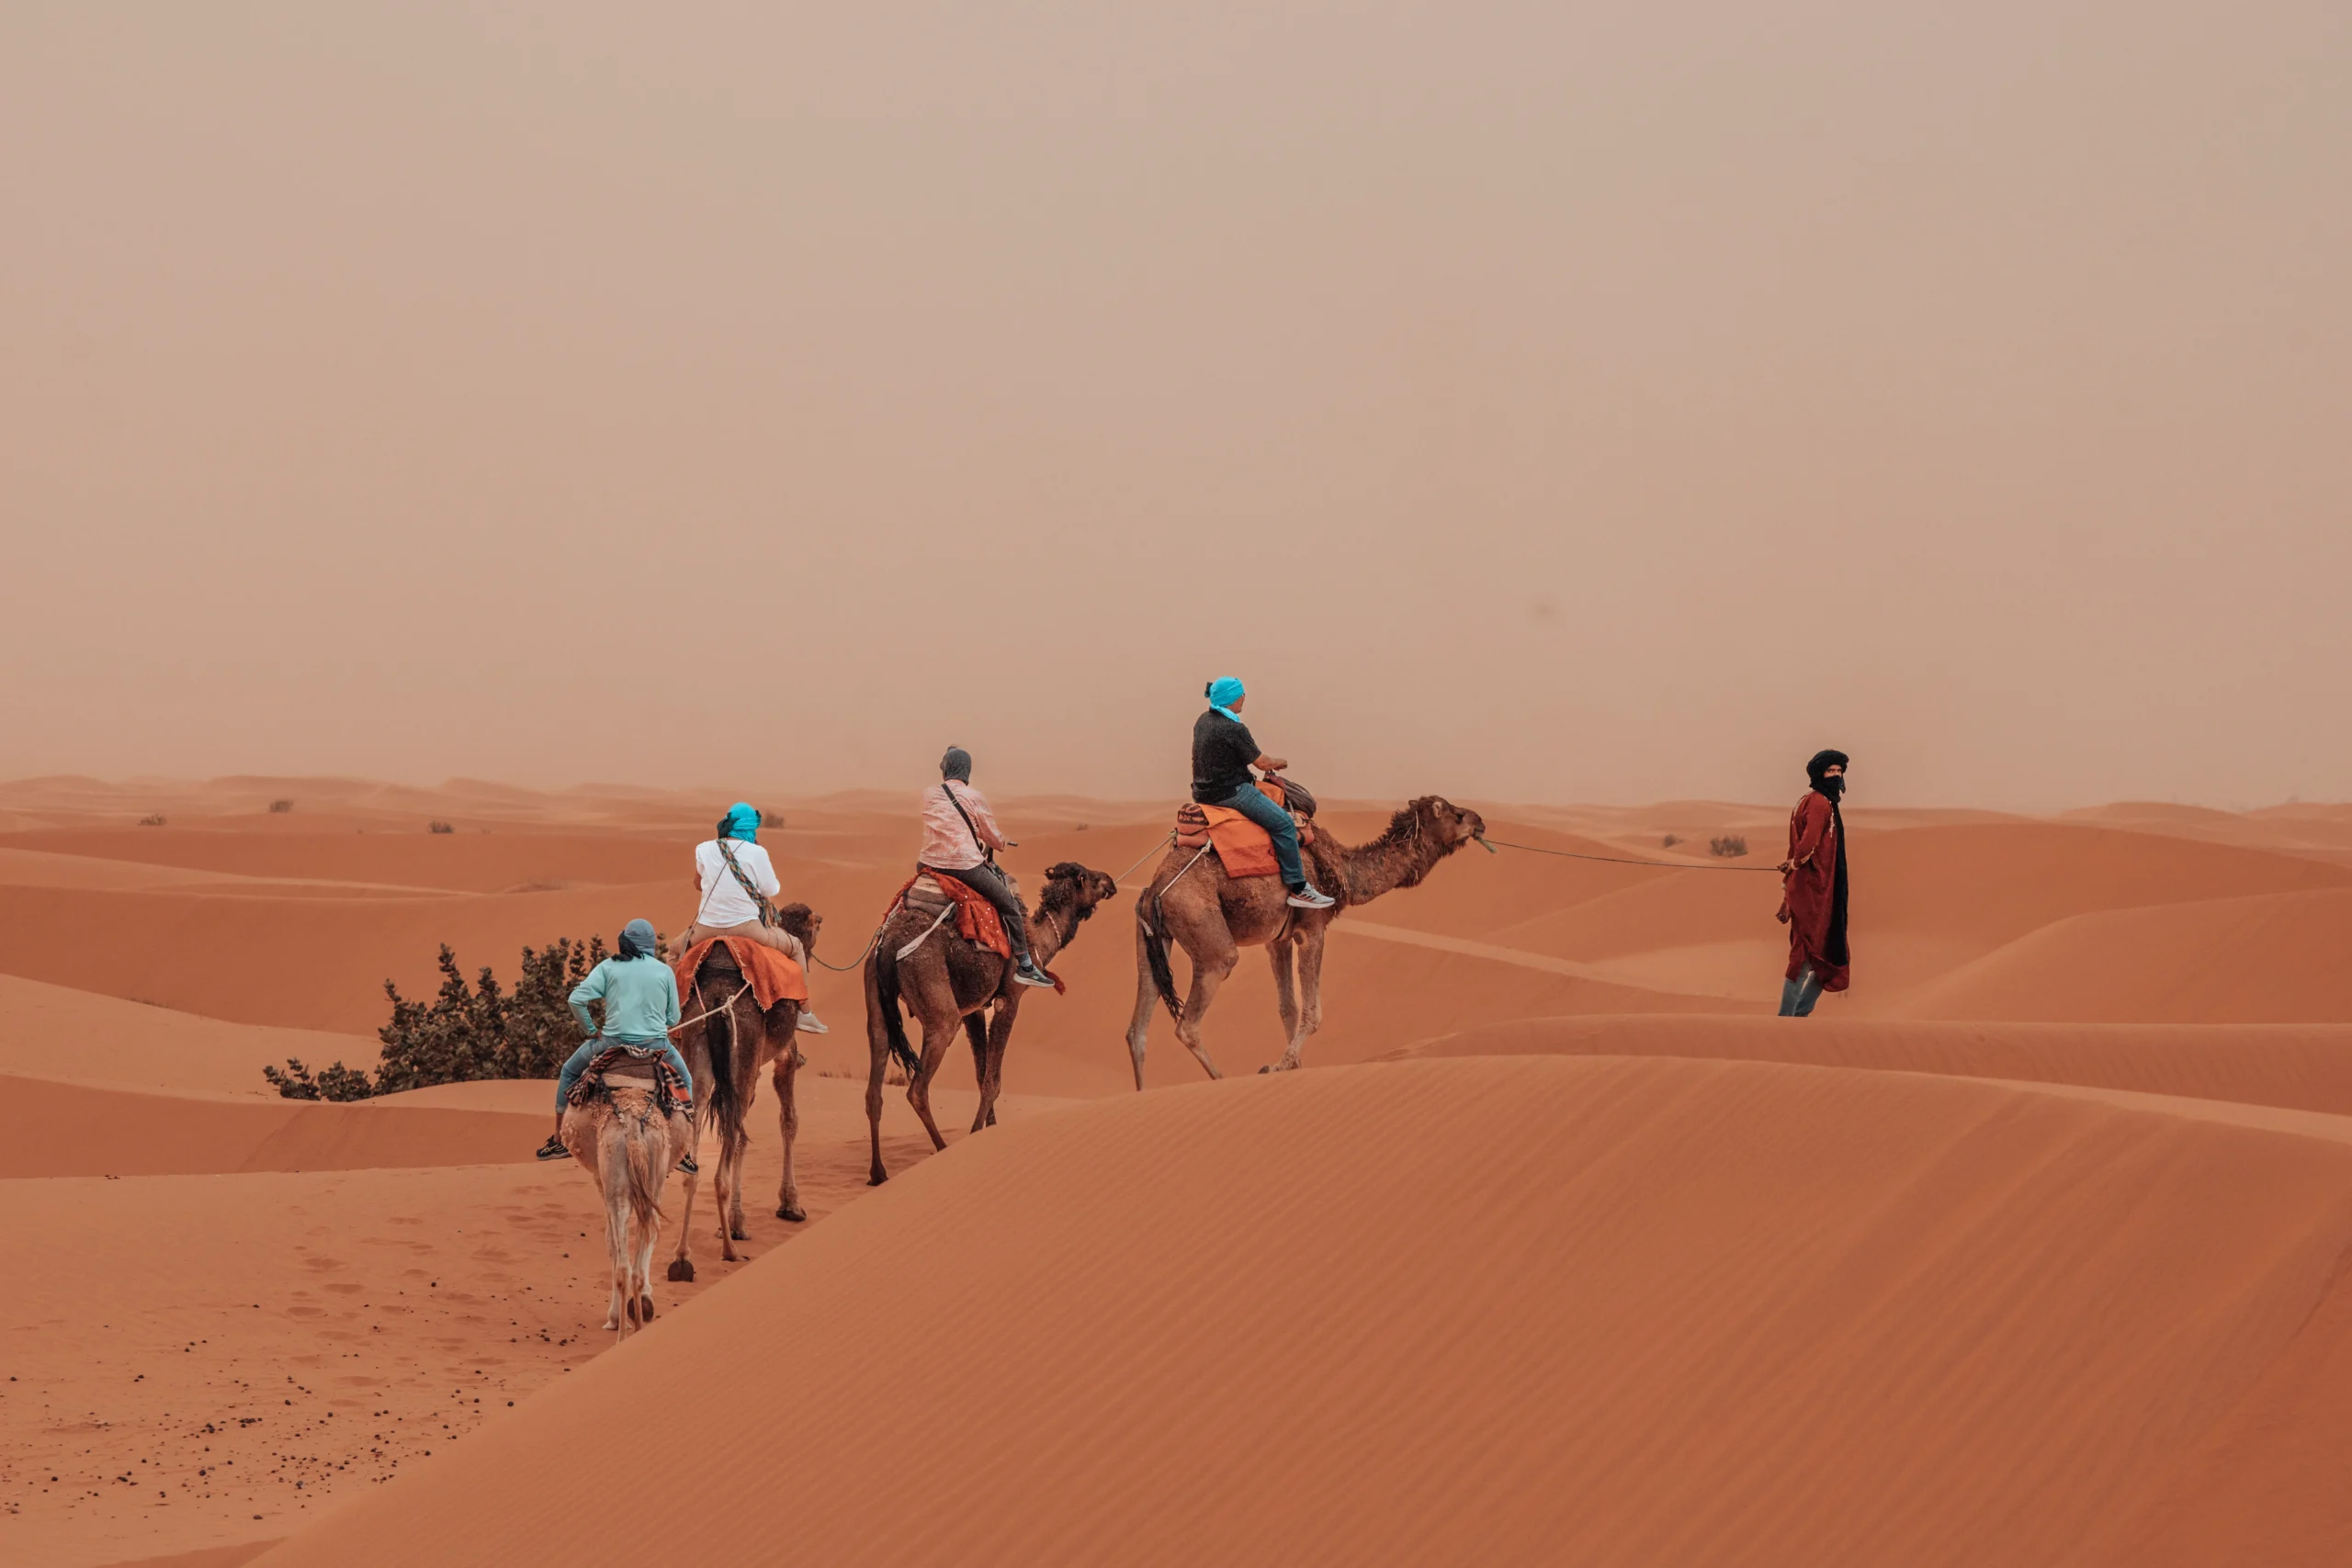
1242 846
774 976
636 1068
976 919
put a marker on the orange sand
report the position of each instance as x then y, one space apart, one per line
2022 1252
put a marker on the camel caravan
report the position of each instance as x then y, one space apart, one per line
681 1044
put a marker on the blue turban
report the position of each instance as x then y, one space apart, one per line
638 940
1223 692
740 822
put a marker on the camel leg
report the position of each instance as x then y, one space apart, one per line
878 1065
935 1051
1310 1013
641 1278
613 1176
976 1031
1147 999
1209 970
993 1079
683 1267
1279 953
787 1116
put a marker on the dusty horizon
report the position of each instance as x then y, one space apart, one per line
1529 403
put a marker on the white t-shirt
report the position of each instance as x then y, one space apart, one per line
724 902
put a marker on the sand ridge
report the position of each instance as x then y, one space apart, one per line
1713 1355
2060 1155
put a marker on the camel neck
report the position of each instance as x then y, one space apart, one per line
1382 866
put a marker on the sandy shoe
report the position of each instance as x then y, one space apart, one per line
810 1023
553 1148
1310 898
1027 973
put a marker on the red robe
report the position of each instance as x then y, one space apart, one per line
1808 889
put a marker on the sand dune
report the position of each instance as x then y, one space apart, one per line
75 1129
2276 958
2304 1067
263 1344
1703 1286
1541 1310
53 1032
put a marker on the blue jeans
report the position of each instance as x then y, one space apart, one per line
587 1054
1275 820
1798 996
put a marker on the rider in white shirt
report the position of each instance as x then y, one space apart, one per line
723 864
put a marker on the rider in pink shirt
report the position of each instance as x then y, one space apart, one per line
959 840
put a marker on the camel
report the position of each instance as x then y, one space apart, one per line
945 980
1192 901
727 1039
629 1146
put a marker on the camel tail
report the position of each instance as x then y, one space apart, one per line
894 1022
721 1037
647 1169
1154 921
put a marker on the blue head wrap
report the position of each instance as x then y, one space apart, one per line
1223 692
638 940
740 822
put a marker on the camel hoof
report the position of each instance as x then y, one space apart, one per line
645 1309
795 1215
682 1269
878 1177
739 1236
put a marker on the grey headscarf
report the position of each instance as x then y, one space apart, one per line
957 765
638 940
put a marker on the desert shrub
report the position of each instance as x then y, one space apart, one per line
1730 846
771 819
335 1082
468 1031
1671 839
440 827
152 819
280 807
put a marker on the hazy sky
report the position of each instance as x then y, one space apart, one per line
1539 401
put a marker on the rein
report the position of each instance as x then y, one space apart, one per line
713 1012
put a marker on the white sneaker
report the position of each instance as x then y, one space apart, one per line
1310 898
811 1024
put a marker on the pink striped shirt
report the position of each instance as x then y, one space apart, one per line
946 843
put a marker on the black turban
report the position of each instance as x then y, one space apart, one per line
1822 763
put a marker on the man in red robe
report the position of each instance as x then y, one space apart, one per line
1813 879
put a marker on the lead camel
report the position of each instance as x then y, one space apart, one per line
1194 904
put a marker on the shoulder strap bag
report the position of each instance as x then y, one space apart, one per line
759 899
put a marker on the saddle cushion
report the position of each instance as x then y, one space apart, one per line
775 977
1243 848
975 918
634 1066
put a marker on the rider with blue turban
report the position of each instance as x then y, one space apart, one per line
1223 753
736 881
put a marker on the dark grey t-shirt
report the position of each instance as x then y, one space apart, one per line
1223 750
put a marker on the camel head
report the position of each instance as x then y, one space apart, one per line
803 922
1073 890
1445 826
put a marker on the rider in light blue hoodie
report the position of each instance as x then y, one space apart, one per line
640 998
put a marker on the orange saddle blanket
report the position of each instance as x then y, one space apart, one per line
775 978
1243 848
975 918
